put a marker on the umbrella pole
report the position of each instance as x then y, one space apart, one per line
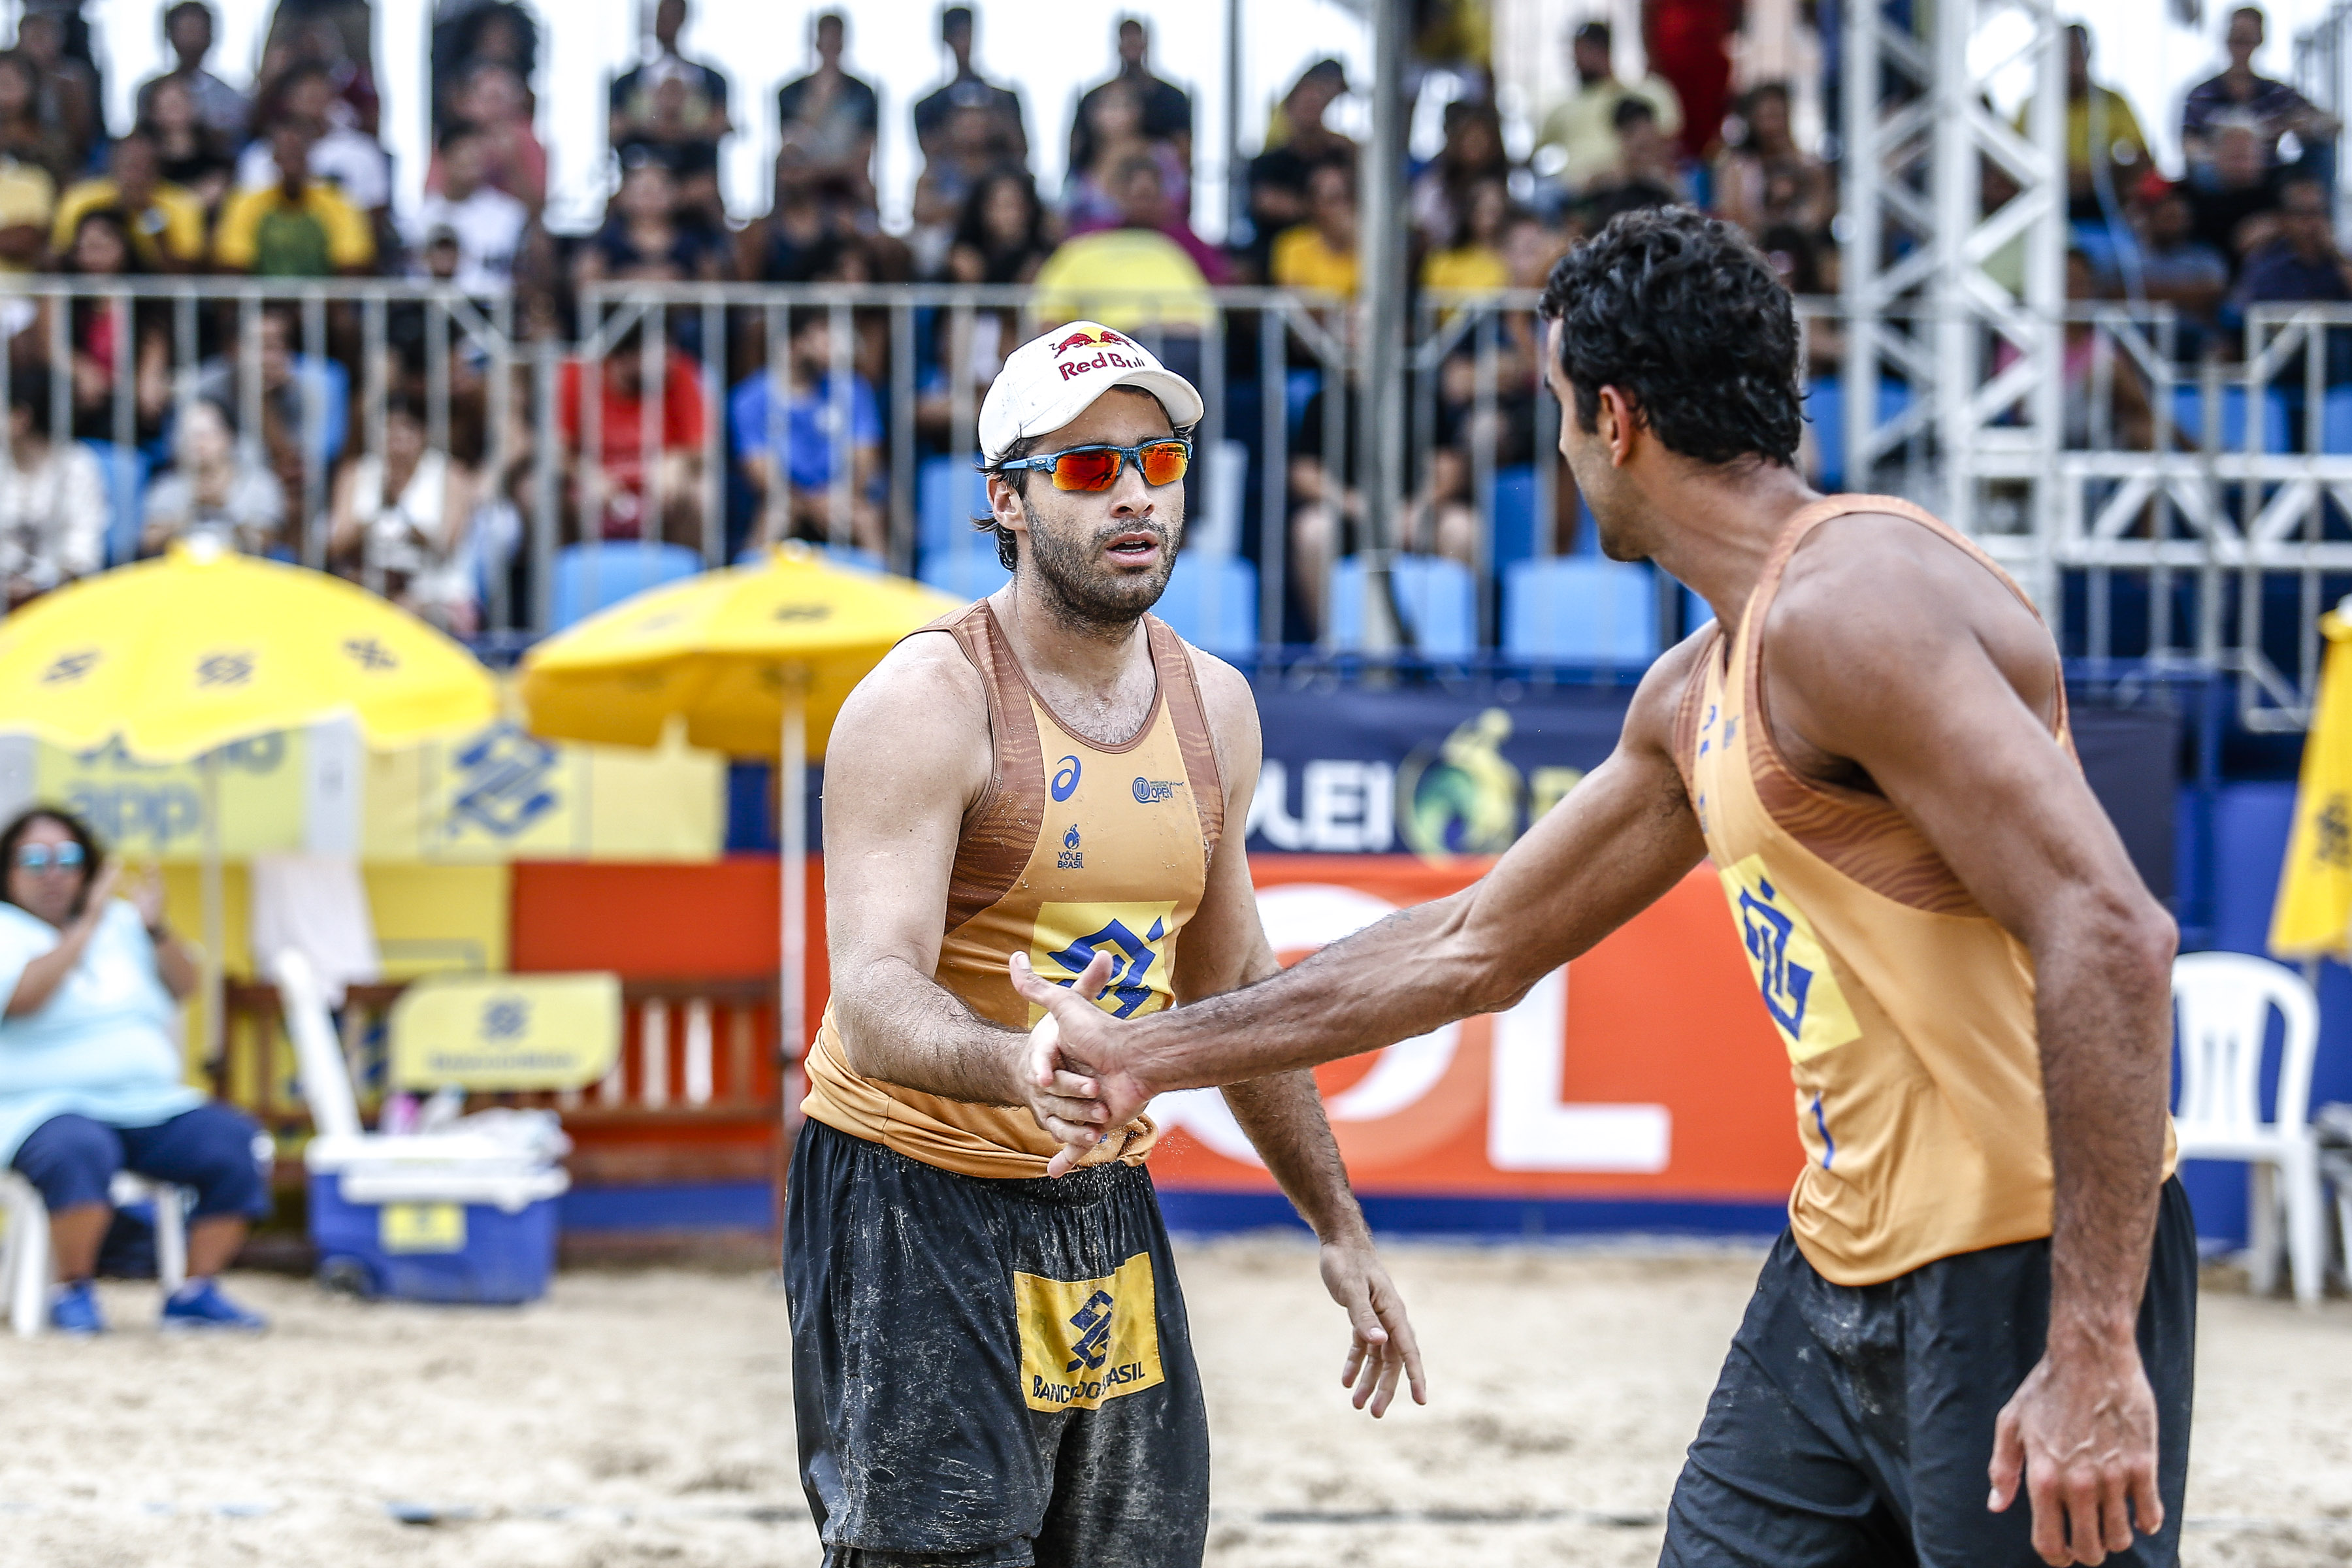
216 922
792 838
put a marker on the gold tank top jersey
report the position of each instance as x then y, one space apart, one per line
1908 1012
1074 848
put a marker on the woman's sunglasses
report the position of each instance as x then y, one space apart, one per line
41 857
1097 467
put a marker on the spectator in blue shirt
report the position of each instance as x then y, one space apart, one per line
2271 109
828 428
2303 265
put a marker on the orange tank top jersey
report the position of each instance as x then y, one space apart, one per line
1074 848
1907 1011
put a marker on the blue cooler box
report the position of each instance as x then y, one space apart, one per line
436 1235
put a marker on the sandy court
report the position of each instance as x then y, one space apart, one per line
644 1417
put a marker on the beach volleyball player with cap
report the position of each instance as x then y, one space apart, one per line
991 1368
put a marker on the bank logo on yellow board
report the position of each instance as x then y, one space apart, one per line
1087 1341
1068 936
1793 972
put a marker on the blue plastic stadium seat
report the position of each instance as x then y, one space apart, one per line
970 573
948 494
2188 417
1580 610
1438 599
2335 420
1511 531
589 577
1825 415
1211 601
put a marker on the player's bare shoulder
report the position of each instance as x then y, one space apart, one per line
1230 707
919 720
1876 614
1657 702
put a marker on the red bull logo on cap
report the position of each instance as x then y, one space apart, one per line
1088 338
1109 355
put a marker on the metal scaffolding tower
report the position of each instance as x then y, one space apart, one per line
1954 275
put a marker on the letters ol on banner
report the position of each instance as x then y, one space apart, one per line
494 1032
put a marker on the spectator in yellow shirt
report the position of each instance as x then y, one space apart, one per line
2100 130
167 223
299 227
1321 252
27 195
1476 260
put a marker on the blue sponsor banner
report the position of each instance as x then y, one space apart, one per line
1438 771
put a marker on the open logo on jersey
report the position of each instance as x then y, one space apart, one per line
1791 970
1068 936
1087 1341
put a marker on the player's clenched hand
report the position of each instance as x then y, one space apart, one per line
1077 1041
2082 1428
1381 1346
1063 1101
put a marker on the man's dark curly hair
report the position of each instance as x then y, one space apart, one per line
1680 313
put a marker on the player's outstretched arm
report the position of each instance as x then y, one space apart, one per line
1892 650
1224 948
895 790
1612 846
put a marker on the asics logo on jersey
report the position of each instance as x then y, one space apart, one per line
1066 780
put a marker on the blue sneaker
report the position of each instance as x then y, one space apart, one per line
75 1310
199 1304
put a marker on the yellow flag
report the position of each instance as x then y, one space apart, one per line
2313 915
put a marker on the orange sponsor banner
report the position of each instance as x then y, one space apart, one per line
1647 1068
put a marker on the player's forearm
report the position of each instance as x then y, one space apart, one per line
898 1025
1404 976
2103 1006
1282 1116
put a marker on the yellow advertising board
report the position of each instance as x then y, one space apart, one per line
506 795
488 1034
497 796
149 811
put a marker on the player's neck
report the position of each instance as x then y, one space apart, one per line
1067 649
1721 530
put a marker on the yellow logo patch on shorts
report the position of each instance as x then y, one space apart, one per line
1087 1341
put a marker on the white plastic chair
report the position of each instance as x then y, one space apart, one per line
27 1268
2222 1003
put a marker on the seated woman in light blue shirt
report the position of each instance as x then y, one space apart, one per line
91 1079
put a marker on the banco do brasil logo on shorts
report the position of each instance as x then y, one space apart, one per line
1065 781
1087 1341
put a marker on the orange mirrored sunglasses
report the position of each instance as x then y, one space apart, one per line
1097 467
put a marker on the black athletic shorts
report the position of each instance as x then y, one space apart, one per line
990 1373
1853 1425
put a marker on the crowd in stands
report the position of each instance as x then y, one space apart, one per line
258 439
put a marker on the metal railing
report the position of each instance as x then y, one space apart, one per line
2200 521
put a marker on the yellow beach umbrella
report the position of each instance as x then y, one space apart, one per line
181 656
757 659
184 654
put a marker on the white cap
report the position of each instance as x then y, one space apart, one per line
1047 382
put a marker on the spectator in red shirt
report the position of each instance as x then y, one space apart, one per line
1689 45
611 499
